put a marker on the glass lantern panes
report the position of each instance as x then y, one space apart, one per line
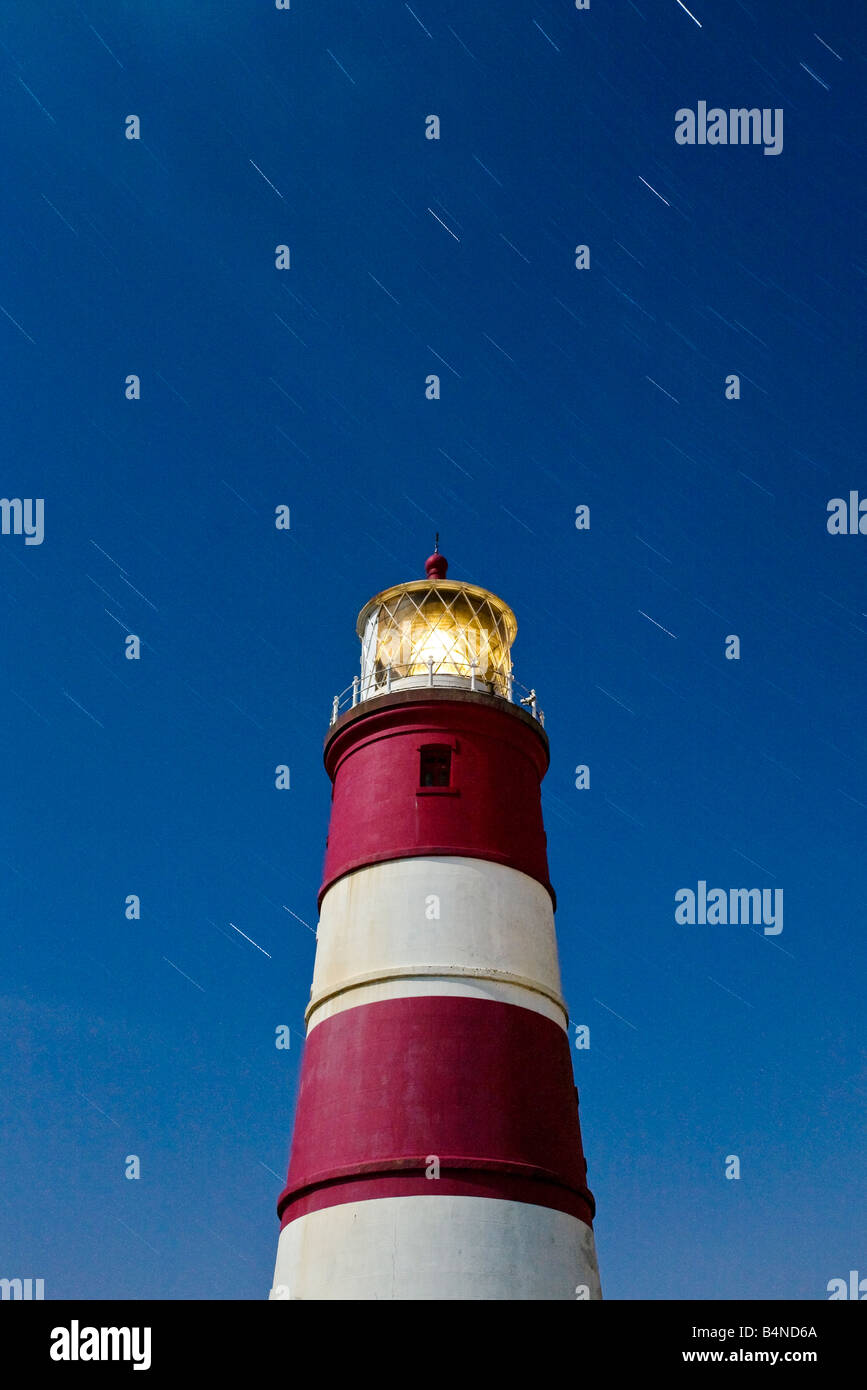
454 633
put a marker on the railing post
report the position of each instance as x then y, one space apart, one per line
430 670
335 703
388 680
472 675
509 688
542 717
354 691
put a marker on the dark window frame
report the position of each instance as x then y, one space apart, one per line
439 752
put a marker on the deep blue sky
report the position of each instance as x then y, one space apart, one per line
306 387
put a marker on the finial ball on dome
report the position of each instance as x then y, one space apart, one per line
436 565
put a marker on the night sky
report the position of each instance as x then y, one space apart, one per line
304 387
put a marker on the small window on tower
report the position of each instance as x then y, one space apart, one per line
435 770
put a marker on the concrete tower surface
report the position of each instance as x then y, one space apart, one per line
437 1151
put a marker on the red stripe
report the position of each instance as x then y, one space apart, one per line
487 1087
476 1185
379 812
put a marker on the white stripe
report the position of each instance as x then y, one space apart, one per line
426 917
444 1248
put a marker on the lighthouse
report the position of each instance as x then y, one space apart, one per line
436 1151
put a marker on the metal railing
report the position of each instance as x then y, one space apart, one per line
504 687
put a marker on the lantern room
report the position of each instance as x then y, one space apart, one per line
436 631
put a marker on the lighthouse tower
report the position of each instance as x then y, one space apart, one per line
437 1151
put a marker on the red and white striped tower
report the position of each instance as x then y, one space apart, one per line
437 1151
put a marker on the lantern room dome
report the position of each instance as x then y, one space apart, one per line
436 631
